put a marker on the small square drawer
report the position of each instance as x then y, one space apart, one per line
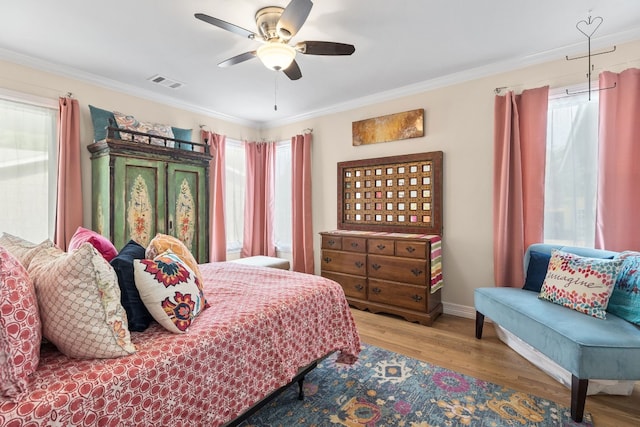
354 244
331 242
381 246
411 249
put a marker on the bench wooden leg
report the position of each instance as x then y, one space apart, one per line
578 397
479 324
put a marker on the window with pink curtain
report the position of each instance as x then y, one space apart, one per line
619 169
69 200
258 219
518 193
302 223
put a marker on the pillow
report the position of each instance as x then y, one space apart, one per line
169 290
138 316
23 250
79 302
97 240
100 120
163 242
130 123
625 299
580 283
20 328
182 135
536 271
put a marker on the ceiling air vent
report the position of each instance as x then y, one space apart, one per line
165 81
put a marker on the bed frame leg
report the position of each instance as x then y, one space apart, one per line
479 324
578 397
301 388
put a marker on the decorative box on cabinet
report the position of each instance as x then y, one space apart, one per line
140 189
393 273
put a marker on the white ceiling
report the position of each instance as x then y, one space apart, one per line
399 44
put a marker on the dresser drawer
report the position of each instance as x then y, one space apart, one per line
331 242
353 286
381 246
354 244
344 262
398 269
413 297
411 249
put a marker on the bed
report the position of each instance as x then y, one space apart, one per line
263 327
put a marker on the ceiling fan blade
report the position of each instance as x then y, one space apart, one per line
325 48
293 17
293 71
227 26
238 59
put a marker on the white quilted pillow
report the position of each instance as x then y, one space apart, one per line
79 300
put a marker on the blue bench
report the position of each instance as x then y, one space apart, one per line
587 347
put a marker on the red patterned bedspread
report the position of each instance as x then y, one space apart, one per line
263 324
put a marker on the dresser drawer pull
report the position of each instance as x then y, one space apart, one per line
416 298
359 264
359 287
354 244
376 266
376 290
411 249
326 259
331 242
416 272
381 247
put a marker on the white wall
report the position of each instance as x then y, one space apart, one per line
458 121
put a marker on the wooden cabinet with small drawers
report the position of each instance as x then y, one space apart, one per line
384 272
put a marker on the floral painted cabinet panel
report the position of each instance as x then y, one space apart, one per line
140 190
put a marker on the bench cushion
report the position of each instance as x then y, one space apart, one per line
264 261
588 347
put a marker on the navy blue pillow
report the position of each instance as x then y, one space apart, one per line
537 270
138 316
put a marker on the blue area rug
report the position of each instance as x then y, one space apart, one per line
387 389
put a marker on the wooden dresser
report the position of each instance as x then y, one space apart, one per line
393 273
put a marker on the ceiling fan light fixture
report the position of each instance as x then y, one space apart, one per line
276 56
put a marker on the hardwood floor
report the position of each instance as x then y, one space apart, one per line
451 343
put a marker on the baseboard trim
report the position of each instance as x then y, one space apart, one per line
459 310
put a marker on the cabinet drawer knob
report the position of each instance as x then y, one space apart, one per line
416 272
376 290
376 266
359 264
354 244
416 298
411 249
326 259
331 242
359 287
381 247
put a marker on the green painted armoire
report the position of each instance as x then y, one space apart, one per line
139 190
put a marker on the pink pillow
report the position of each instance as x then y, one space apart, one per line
20 329
98 241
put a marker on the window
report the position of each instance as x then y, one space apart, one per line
282 229
235 181
235 178
28 165
571 170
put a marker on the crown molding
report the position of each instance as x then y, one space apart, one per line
69 72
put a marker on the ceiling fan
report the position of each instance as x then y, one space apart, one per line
276 27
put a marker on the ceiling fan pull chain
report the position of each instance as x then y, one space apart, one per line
275 92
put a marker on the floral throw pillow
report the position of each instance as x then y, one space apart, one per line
580 283
131 123
20 328
168 289
625 299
